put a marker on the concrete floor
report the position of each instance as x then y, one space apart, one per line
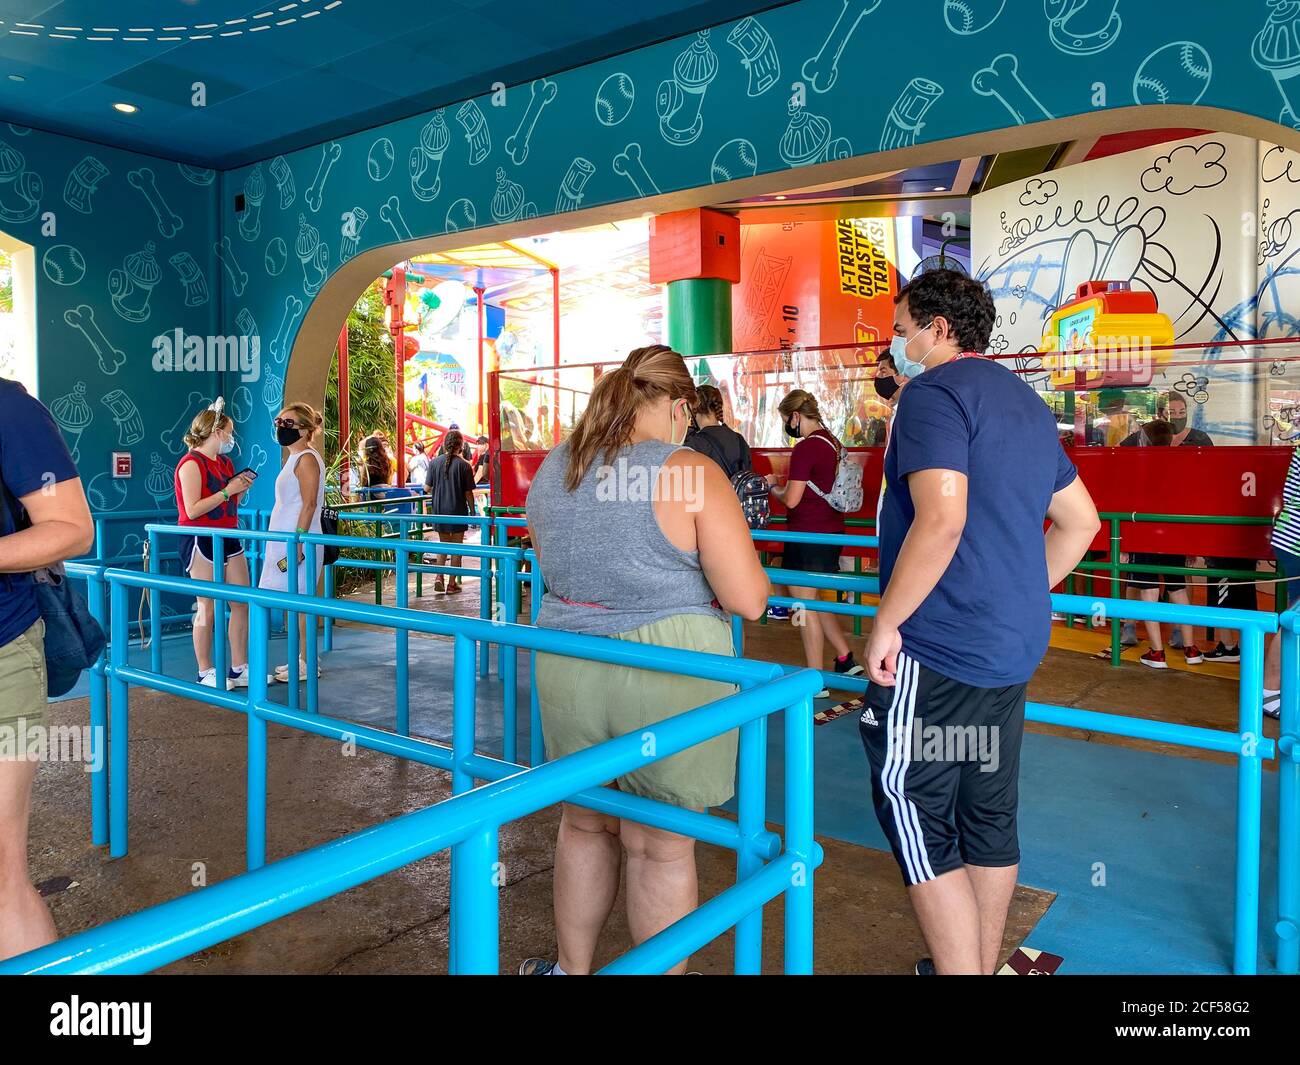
186 817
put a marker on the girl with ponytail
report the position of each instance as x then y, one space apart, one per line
640 539
711 436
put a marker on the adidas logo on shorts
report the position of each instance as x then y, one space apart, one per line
868 718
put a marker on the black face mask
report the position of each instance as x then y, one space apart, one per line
287 437
886 386
1178 424
790 430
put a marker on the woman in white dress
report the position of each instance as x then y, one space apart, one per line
299 496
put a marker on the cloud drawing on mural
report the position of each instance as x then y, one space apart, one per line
1038 191
1186 168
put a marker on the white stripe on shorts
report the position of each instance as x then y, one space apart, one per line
893 777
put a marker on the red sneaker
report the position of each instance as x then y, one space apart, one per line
1154 659
1192 654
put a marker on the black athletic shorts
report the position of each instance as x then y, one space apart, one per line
1174 582
945 768
811 558
231 547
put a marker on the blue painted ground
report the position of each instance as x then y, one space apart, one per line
1163 827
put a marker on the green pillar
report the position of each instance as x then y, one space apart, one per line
699 318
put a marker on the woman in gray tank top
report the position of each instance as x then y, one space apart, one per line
640 539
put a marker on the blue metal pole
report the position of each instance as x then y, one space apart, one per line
508 668
309 620
256 770
476 876
751 787
1288 812
328 638
799 842
484 608
738 634
536 740
98 723
118 731
1249 797
402 691
219 656
291 618
155 609
462 747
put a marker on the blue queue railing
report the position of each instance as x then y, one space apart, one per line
468 823
1288 798
1247 744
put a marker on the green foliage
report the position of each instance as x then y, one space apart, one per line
371 393
516 393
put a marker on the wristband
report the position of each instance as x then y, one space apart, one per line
225 495
304 530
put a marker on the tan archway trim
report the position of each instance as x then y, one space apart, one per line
313 348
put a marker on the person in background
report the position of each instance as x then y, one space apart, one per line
299 497
44 519
1115 421
1158 434
417 464
208 494
966 571
1286 549
661 571
711 436
376 467
449 483
814 460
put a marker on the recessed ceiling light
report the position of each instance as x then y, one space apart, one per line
126 109
939 188
780 197
16 77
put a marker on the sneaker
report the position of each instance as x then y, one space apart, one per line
1192 655
925 967
536 967
779 613
848 666
1154 659
208 678
1272 703
825 693
237 678
1223 654
1128 635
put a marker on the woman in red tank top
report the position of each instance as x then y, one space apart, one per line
207 497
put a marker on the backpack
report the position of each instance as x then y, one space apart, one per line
846 493
73 639
754 494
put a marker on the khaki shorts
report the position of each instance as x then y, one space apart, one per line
585 703
22 677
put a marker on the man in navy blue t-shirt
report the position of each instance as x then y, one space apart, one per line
43 519
973 469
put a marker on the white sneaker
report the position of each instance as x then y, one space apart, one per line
238 678
825 693
208 678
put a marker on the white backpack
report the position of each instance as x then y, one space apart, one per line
846 493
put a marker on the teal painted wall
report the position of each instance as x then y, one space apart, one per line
124 252
875 76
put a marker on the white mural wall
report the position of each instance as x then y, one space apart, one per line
1179 219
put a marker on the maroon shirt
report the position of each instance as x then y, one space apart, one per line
815 460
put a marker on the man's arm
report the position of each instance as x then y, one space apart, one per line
61 528
1074 524
939 497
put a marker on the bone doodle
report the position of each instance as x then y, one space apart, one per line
329 156
391 212
169 222
226 253
173 439
280 345
823 68
1001 80
543 92
82 319
628 163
